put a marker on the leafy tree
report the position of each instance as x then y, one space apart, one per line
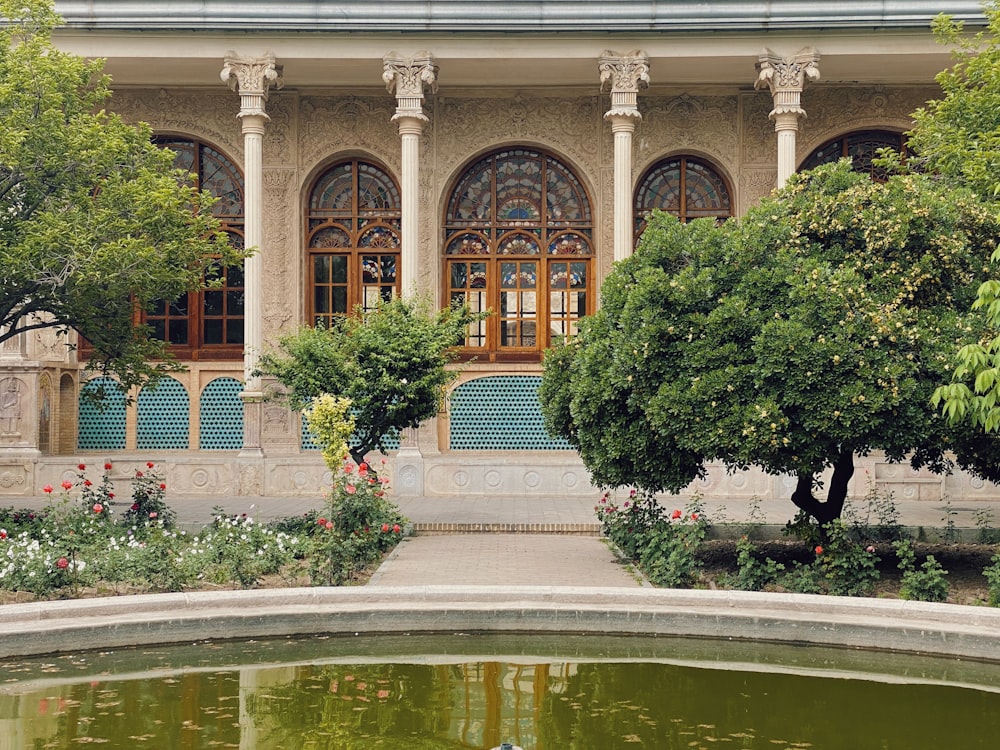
812 330
94 221
958 136
390 362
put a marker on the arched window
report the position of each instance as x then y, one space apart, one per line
686 187
519 241
208 324
862 146
352 239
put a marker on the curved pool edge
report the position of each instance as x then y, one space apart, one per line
882 624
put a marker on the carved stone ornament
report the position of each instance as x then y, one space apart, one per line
406 77
624 73
251 77
786 77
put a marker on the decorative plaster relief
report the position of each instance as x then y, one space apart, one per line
13 407
13 479
210 117
755 184
281 261
686 124
833 110
465 127
331 125
760 144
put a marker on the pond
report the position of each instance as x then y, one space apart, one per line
477 691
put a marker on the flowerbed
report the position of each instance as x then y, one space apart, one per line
88 542
849 557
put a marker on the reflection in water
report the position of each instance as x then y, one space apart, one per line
339 693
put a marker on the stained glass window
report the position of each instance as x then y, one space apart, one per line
683 186
208 324
862 147
518 223
352 240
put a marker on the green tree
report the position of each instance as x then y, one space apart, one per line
94 221
390 362
958 137
811 331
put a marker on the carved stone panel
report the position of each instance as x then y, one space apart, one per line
760 144
688 124
833 110
281 257
209 116
464 127
331 125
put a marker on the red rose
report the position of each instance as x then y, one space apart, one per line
138 474
149 464
694 516
67 485
395 528
321 521
87 483
163 486
819 550
47 489
329 526
81 467
676 514
385 527
98 508
62 563
107 467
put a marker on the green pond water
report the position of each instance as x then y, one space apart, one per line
476 691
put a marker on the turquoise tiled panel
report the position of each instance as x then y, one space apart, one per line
101 423
221 408
500 412
163 416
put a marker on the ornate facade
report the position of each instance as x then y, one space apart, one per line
500 155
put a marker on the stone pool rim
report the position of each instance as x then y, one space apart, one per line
950 630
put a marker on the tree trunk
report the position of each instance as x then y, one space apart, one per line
824 512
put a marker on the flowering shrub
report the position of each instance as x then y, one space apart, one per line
845 567
77 542
358 526
664 545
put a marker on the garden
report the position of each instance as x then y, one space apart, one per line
88 542
866 552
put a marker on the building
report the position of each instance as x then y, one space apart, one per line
499 153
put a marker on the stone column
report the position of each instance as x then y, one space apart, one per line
252 77
786 77
624 74
406 77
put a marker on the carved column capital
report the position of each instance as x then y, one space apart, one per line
252 78
407 77
624 74
786 77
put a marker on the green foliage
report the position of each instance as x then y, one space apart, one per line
992 573
148 501
811 330
885 527
77 542
94 220
958 136
390 362
846 568
359 525
928 584
986 534
331 422
753 574
664 545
